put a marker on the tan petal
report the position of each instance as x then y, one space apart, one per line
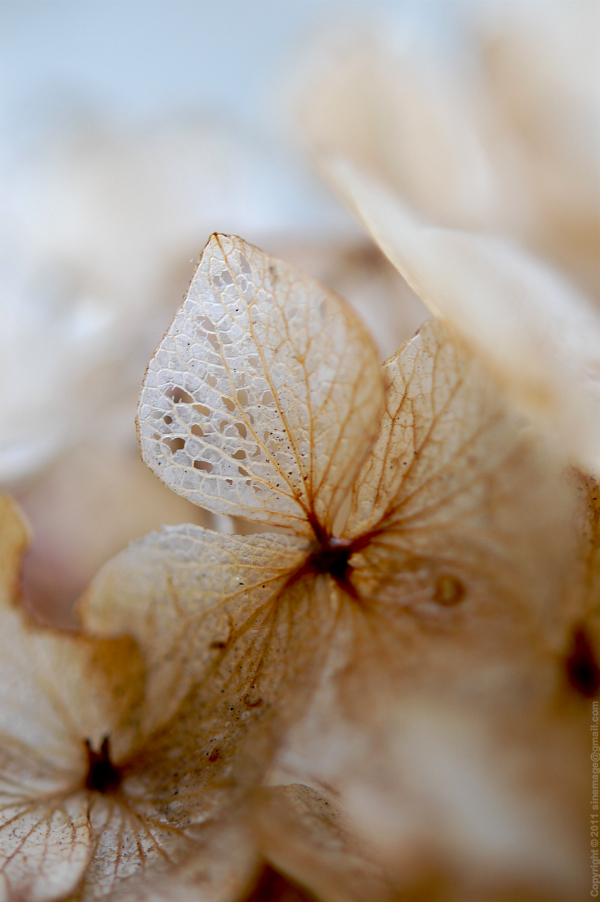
187 595
45 847
190 778
221 614
221 871
175 790
307 835
264 394
179 796
532 330
461 511
56 691
14 536
493 800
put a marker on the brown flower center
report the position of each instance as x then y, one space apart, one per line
102 775
582 668
331 556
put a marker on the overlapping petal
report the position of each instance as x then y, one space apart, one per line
532 330
448 574
264 395
487 796
97 796
436 502
188 596
45 715
307 834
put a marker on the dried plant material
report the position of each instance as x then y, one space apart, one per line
425 546
494 137
490 803
199 602
307 835
582 648
264 394
531 329
365 278
404 119
222 869
93 801
541 68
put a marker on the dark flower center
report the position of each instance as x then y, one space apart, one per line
332 557
102 775
582 668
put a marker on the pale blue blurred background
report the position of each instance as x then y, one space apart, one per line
227 61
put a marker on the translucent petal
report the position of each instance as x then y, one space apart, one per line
264 394
142 854
236 634
180 790
222 872
531 329
460 509
248 663
44 847
188 595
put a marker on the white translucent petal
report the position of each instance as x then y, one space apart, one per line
264 394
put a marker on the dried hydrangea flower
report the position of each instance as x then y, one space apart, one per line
100 793
423 535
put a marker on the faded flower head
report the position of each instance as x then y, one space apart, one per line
421 538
